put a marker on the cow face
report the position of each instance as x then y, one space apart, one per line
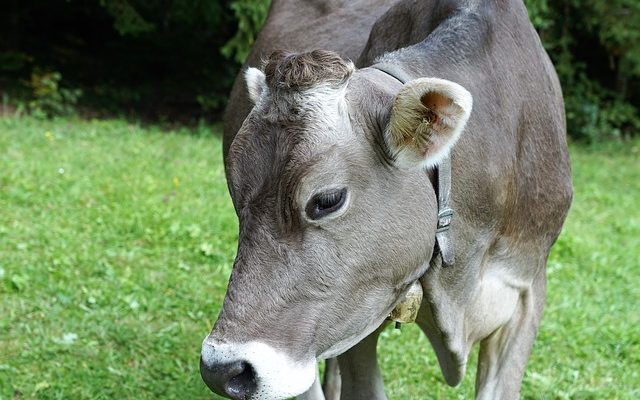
337 215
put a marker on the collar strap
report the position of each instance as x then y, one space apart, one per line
443 190
393 71
445 212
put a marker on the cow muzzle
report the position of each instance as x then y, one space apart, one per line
253 370
234 380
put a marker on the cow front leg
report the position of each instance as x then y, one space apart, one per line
504 354
361 378
331 385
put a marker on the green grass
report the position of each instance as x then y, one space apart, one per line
116 242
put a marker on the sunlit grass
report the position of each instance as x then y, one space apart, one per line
116 242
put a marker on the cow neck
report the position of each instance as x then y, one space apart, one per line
444 243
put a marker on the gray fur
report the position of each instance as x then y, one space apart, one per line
302 286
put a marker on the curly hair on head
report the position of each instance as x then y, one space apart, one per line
287 70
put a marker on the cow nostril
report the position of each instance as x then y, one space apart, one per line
236 380
243 384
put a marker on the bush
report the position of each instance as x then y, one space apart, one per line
595 46
49 98
250 15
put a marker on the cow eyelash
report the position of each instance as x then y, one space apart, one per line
324 203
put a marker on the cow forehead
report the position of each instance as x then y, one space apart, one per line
285 136
293 127
315 113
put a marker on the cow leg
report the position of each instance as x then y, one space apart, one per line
504 353
332 380
361 378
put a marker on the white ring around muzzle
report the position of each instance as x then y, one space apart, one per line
277 375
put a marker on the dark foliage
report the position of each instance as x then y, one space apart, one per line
595 46
156 57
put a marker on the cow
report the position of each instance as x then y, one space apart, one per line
344 180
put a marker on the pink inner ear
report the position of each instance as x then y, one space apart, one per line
436 103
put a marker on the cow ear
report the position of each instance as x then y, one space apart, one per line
256 83
427 118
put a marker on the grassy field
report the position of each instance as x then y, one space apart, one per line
116 242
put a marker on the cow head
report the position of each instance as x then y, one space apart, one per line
337 216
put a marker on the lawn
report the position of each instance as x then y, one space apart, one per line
117 240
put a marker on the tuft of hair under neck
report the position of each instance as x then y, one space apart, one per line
299 71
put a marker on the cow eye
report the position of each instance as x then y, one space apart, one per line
325 203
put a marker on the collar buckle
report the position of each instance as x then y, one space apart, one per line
444 219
